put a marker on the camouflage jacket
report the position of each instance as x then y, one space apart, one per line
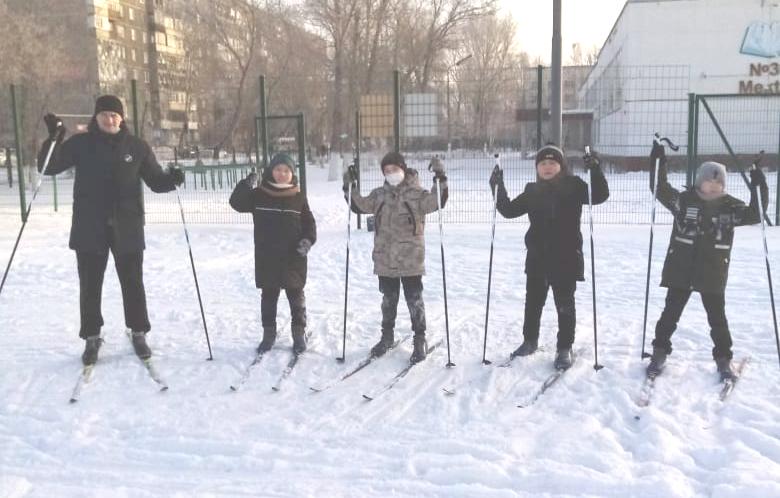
399 224
703 232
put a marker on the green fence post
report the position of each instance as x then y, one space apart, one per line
302 151
263 128
397 110
9 167
777 180
358 138
692 132
19 155
539 91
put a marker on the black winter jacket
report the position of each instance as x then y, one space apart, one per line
281 218
554 208
702 235
107 192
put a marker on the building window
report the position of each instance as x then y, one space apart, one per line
132 53
120 31
132 34
130 14
143 37
146 58
146 76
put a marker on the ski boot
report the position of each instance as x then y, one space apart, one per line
299 339
724 369
528 347
139 344
420 349
657 362
91 348
563 359
269 337
381 347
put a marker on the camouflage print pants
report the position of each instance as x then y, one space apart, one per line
390 287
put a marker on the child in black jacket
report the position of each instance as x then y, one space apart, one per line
284 232
699 253
554 242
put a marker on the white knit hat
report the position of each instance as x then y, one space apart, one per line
711 170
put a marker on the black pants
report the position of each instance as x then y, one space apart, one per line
129 269
390 287
714 304
535 296
270 297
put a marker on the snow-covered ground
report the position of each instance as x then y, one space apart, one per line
581 438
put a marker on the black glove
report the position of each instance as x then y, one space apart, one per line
55 127
591 160
437 167
177 175
303 247
658 152
251 179
757 177
350 178
496 179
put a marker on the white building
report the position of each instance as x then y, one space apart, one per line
659 51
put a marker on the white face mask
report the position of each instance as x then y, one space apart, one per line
395 179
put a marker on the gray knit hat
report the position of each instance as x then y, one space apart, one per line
711 170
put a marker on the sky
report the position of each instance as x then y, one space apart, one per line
587 22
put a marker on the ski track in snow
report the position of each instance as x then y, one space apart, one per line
581 438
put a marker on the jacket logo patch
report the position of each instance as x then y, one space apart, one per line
128 158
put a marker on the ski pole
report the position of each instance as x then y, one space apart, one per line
657 139
194 274
343 356
596 365
29 208
762 213
496 169
443 270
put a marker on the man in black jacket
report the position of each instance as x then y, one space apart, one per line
108 213
554 242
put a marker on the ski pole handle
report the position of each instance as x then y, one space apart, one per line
657 138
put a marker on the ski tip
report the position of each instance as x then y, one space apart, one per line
448 392
368 398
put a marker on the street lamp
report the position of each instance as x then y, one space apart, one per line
458 63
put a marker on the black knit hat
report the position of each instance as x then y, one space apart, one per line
550 151
393 158
109 103
279 159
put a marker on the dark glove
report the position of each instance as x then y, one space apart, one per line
251 179
496 179
757 177
55 127
177 175
350 178
437 167
658 152
303 247
591 160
